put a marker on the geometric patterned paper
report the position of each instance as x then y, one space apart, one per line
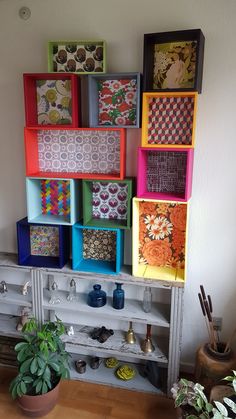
166 171
170 120
99 244
109 200
55 197
79 152
44 241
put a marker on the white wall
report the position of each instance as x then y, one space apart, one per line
122 23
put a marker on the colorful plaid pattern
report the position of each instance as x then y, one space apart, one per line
55 196
170 120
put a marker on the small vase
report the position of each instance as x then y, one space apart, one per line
118 297
97 297
147 300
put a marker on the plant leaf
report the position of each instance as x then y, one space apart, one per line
34 366
21 345
179 399
23 387
38 387
222 409
44 388
26 365
230 403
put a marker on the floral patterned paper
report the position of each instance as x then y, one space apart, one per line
109 200
44 241
99 245
79 151
117 102
54 102
174 65
162 231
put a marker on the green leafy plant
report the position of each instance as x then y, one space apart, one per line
191 397
42 359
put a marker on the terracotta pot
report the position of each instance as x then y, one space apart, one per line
36 406
212 366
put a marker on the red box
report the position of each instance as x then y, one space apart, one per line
52 100
82 153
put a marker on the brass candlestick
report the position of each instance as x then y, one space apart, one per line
130 336
146 344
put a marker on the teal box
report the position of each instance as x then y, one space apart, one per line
53 201
97 249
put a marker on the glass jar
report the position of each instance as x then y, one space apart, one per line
97 297
118 297
147 300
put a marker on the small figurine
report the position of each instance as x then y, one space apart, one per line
55 299
70 331
3 288
25 288
72 291
24 317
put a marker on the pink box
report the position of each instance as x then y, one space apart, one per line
165 173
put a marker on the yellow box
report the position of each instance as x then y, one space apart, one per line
160 239
169 119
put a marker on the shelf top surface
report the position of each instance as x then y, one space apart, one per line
9 260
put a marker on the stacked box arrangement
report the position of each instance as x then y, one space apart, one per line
172 74
75 175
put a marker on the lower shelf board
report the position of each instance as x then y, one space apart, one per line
8 325
115 345
106 376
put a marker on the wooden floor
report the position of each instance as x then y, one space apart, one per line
80 400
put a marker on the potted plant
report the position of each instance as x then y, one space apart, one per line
42 362
190 397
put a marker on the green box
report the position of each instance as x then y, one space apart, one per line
80 57
107 203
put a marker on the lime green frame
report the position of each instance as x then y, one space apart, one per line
80 42
88 219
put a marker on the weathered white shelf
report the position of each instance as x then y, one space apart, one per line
8 325
132 311
115 345
14 296
107 376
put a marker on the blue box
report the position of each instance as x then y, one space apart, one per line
89 247
114 100
42 245
54 201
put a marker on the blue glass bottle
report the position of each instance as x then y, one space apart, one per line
118 297
97 297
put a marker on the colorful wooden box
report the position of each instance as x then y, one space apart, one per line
173 61
165 173
107 204
75 153
98 250
42 245
52 100
169 119
114 100
159 239
53 201
81 57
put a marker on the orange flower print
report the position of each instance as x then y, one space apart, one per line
147 208
162 209
178 216
142 231
178 241
157 252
